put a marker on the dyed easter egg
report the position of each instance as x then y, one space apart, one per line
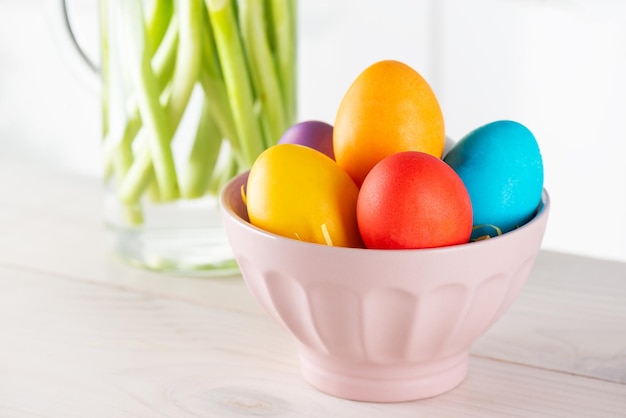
413 200
389 108
311 133
300 193
501 166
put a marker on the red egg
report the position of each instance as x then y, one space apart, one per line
413 200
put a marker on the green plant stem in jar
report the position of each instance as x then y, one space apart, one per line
231 64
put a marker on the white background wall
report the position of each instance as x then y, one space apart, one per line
557 66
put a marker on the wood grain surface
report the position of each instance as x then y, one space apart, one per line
82 335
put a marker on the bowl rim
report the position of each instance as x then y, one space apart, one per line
540 213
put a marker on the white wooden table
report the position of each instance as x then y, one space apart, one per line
82 335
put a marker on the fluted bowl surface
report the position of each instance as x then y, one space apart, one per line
382 325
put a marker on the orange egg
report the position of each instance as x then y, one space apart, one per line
389 108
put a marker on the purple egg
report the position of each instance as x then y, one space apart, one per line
313 134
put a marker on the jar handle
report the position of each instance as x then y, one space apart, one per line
72 36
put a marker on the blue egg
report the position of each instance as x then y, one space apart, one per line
501 166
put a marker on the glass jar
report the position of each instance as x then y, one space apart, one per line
192 92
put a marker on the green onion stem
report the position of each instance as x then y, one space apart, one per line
158 16
203 156
262 69
163 64
212 82
186 72
242 54
283 24
154 117
236 78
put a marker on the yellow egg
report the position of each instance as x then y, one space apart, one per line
300 193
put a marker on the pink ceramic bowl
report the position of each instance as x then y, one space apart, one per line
382 325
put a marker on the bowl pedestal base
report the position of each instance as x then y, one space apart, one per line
380 382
